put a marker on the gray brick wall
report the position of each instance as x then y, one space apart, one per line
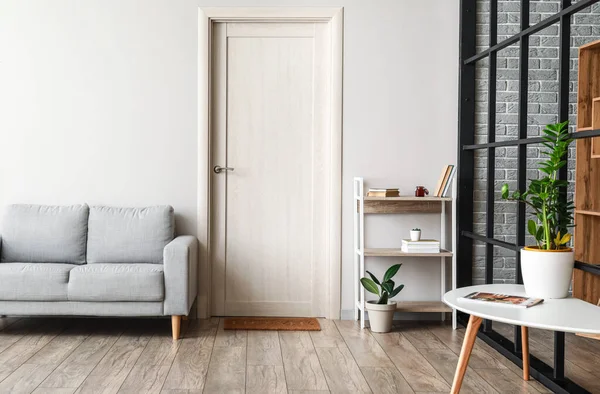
542 109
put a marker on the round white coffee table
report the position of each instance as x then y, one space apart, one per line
566 315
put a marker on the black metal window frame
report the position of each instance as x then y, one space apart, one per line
551 377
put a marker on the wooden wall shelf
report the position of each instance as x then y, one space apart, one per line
395 252
422 306
586 285
403 204
596 125
592 213
588 82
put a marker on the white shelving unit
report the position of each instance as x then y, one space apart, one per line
399 205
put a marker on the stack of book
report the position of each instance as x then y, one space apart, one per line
380 192
422 246
443 184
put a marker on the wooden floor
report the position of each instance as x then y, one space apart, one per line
61 356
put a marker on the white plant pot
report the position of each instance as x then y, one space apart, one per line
381 316
547 274
415 235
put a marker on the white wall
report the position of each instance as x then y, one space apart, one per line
98 104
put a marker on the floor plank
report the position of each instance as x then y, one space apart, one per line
233 338
190 365
480 357
341 371
264 348
14 332
160 351
25 379
302 368
48 390
445 361
386 380
7 321
61 346
506 381
78 365
577 374
64 356
227 370
419 373
485 357
110 373
419 337
265 379
329 336
145 379
25 348
364 348
152 367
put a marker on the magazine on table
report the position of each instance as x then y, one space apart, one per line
507 300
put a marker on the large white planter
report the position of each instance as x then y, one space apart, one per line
381 316
547 274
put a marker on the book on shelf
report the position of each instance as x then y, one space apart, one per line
511 301
438 187
444 181
423 251
422 246
448 182
382 192
422 242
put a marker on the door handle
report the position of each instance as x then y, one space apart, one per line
219 169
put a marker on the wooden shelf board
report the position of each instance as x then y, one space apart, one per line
590 45
403 204
420 199
418 306
396 252
422 306
591 213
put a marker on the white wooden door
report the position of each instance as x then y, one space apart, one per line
271 103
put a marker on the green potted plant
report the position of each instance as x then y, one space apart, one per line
547 267
415 234
381 311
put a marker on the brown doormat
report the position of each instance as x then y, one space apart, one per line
272 323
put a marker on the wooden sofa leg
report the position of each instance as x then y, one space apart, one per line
176 325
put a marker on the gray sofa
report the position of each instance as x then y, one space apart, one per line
96 261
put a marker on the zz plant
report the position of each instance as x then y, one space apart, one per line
385 288
553 213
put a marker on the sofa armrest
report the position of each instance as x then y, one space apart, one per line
181 274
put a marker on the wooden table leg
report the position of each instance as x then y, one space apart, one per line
525 348
465 352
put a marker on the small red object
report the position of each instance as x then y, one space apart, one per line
421 191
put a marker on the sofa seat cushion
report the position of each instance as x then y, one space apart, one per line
44 234
34 281
117 282
129 235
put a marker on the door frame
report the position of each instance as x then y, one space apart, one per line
207 16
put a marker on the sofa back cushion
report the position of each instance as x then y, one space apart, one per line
44 234
129 235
